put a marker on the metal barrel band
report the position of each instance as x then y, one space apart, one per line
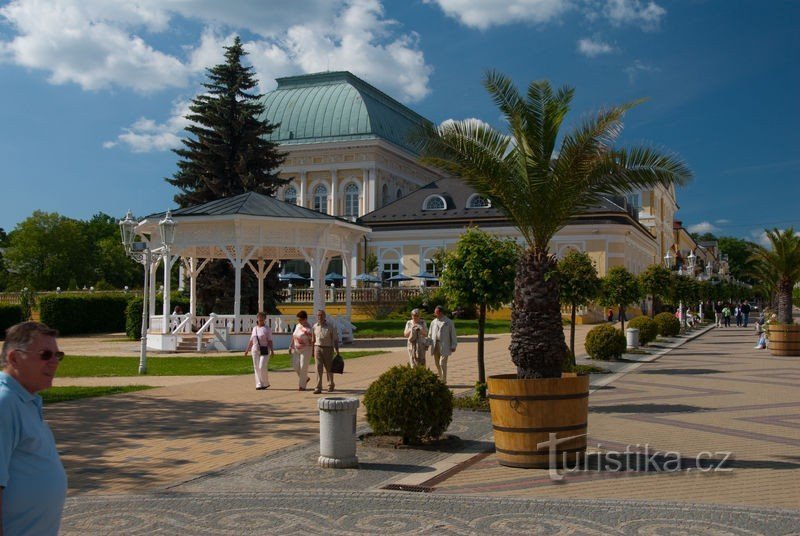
581 426
531 452
539 397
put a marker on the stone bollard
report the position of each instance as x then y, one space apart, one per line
337 432
632 337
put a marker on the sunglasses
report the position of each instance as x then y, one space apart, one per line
47 355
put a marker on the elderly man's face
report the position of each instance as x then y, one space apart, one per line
29 368
321 316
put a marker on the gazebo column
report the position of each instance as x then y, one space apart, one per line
192 268
238 261
152 290
261 274
169 260
348 287
318 262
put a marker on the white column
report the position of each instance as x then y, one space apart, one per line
193 286
237 288
371 200
165 298
153 272
181 275
334 187
260 277
303 189
347 268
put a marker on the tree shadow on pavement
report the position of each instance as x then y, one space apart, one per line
647 408
677 371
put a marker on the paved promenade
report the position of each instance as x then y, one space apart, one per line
214 456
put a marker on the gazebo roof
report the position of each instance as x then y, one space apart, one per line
250 204
261 226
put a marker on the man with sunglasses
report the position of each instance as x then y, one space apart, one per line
33 484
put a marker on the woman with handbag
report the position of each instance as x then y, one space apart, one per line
260 347
301 348
416 332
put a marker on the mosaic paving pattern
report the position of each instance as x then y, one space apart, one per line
352 513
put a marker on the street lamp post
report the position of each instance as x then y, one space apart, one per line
141 253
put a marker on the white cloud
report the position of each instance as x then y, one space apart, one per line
101 44
647 15
722 222
638 67
702 227
592 48
147 135
483 14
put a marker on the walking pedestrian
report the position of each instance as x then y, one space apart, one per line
33 484
718 313
301 348
443 336
325 339
739 315
260 348
416 332
745 313
726 315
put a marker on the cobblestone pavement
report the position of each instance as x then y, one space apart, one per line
217 457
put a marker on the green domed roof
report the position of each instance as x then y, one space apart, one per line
336 106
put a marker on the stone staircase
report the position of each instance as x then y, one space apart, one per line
188 342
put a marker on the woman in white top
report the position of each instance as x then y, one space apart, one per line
301 348
416 331
261 345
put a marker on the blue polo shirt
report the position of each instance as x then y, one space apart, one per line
31 473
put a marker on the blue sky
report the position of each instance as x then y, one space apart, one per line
94 91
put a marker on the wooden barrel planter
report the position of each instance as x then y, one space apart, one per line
525 413
784 339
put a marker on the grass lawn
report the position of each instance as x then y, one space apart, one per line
394 328
97 366
65 394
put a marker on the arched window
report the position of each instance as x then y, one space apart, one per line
399 193
385 195
351 201
290 195
478 201
434 202
321 199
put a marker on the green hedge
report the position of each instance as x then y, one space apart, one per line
605 342
9 315
648 328
133 313
95 313
668 325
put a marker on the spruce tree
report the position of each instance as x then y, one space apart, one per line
227 152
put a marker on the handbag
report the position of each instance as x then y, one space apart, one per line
337 366
263 350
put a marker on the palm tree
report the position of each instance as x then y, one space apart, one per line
782 263
540 188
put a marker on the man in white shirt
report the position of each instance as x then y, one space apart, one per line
443 334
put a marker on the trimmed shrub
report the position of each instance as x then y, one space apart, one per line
668 325
605 342
648 329
9 315
133 313
93 313
409 401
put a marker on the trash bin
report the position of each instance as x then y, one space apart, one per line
337 432
633 337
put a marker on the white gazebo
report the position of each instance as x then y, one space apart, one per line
251 231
